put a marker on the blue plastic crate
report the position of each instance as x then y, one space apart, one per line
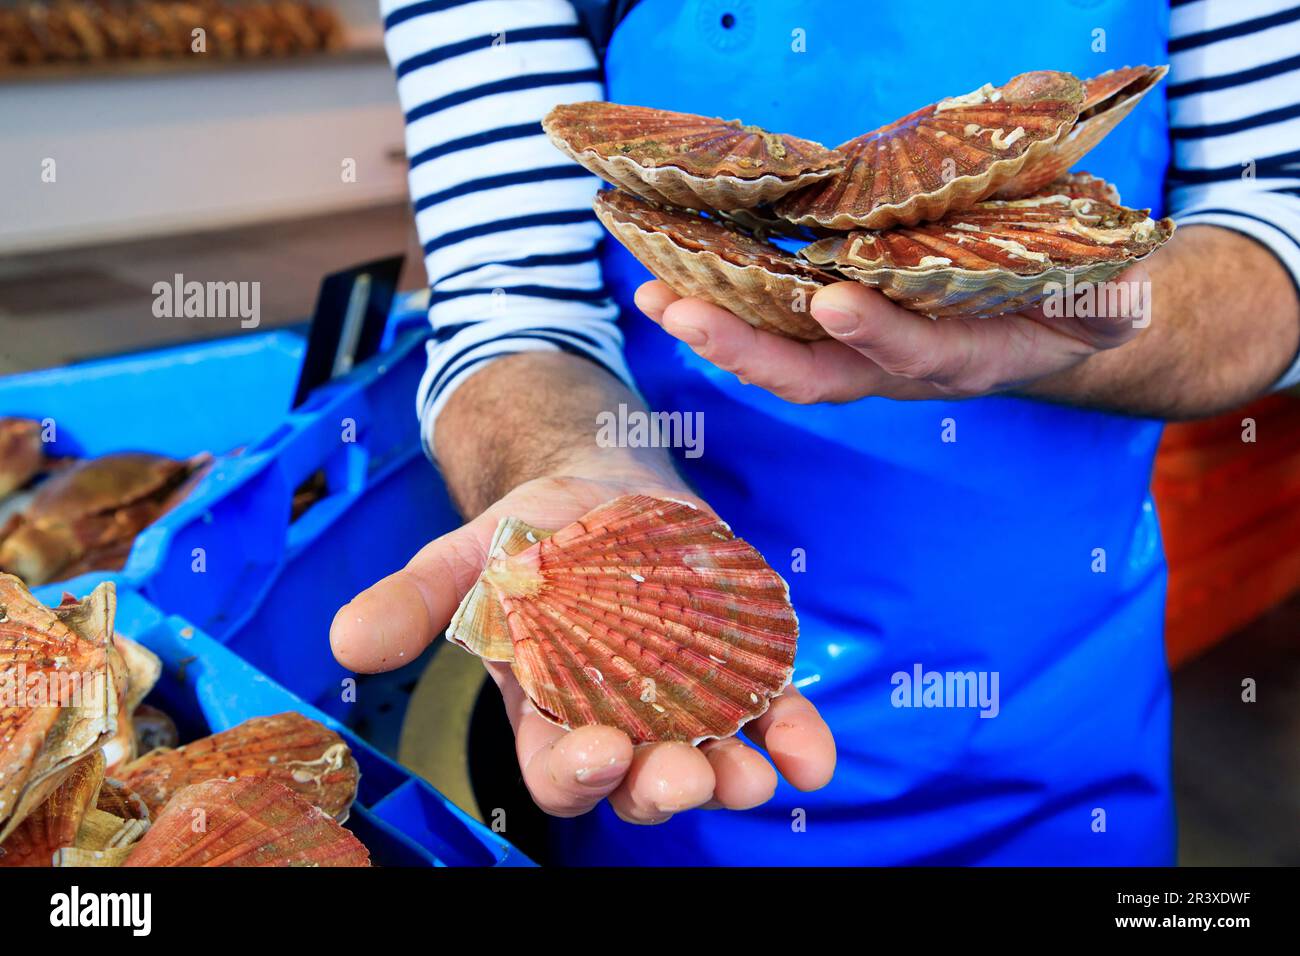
230 559
206 688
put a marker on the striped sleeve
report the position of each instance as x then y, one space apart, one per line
505 221
1234 101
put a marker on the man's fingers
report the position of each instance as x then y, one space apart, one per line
799 372
797 739
903 343
568 772
664 779
743 779
390 623
653 297
1102 315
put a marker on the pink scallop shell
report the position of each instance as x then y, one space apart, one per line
646 614
251 821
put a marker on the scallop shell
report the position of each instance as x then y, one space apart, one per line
246 822
61 654
153 729
139 669
645 614
998 256
1108 98
22 453
757 281
93 508
102 840
1082 186
55 823
686 160
300 753
944 157
121 801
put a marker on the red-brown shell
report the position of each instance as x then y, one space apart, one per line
684 159
153 729
90 513
1108 98
117 798
944 157
1106 90
54 824
997 256
294 750
37 644
22 453
246 822
1054 231
1082 186
714 261
699 145
645 614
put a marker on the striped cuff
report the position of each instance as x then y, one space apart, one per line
452 362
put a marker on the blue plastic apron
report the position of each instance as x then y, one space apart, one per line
979 554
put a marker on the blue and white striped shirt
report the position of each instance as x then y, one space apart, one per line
510 241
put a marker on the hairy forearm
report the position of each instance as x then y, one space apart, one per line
533 415
1225 323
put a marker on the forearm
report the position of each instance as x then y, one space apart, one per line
534 415
1225 324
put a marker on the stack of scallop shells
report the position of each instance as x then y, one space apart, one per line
963 208
94 778
85 515
95 31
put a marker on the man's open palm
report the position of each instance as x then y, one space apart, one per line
569 772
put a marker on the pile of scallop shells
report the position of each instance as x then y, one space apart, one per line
92 776
963 207
85 514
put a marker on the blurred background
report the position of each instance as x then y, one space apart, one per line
274 155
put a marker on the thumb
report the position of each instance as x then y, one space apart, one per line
390 623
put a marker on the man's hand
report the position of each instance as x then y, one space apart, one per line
879 348
1223 315
569 772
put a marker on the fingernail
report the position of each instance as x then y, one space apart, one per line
835 321
612 772
693 336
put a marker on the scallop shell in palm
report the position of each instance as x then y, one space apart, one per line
944 157
998 256
693 161
1108 98
645 614
300 753
246 822
706 258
